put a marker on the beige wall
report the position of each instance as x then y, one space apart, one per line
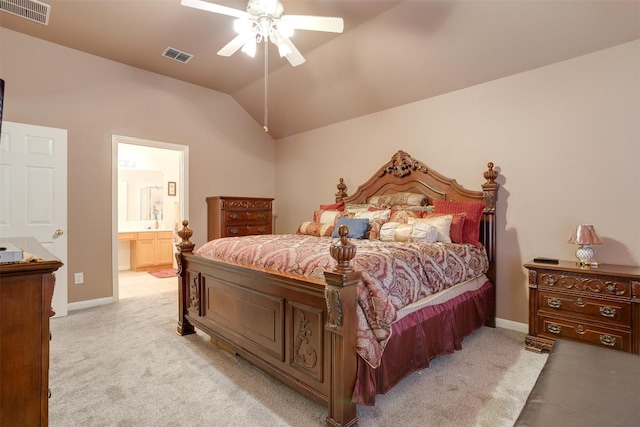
49 85
566 139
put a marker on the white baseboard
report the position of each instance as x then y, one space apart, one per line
89 303
510 324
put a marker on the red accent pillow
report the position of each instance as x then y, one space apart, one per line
471 226
456 232
333 207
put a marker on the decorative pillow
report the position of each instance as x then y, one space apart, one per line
387 231
424 209
425 233
471 226
401 213
412 199
396 232
327 217
441 223
352 208
315 229
333 207
457 224
358 227
376 218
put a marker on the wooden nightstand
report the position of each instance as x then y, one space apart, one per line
596 305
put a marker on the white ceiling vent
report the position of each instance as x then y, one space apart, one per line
177 55
29 9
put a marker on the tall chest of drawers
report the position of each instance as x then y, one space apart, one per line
238 216
596 305
26 290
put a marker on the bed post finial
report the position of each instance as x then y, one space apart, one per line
341 194
490 187
343 251
185 246
185 234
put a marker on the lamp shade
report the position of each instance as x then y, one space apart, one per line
585 234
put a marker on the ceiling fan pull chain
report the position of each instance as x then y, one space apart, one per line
266 85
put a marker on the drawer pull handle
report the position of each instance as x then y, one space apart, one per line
608 340
233 216
579 302
580 329
262 230
554 329
554 302
262 216
552 280
607 311
234 231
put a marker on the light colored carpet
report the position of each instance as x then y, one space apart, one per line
124 365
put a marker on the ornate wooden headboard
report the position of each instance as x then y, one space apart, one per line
405 174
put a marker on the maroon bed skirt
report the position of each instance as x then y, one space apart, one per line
419 337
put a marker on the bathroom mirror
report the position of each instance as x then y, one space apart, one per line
140 195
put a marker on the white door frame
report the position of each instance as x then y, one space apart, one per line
183 190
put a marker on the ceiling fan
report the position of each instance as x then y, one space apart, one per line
264 20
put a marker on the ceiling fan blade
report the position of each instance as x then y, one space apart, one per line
235 44
215 8
295 58
314 23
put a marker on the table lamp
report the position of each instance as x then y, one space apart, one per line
585 236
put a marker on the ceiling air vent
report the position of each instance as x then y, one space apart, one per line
29 9
177 55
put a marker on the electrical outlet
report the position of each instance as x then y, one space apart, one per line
79 278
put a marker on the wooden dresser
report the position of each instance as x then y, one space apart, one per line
26 290
238 216
597 305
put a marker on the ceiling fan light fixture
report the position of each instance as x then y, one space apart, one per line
242 26
285 29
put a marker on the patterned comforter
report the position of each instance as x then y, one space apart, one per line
395 274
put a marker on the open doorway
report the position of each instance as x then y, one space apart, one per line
149 200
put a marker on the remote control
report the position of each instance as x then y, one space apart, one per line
544 260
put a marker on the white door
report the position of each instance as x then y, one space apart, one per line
33 192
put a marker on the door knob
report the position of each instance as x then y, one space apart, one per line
59 232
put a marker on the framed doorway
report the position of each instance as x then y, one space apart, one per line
142 158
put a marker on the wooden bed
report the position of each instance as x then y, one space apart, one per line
304 331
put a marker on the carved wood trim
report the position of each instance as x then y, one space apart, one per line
635 291
533 278
402 164
246 204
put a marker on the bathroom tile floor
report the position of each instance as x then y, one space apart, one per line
136 284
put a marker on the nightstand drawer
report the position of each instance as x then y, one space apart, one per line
590 284
616 313
586 332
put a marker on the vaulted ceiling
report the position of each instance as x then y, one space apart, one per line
390 53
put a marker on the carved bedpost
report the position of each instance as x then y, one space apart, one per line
490 190
184 247
341 294
341 194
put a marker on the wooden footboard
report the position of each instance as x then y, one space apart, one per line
299 331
